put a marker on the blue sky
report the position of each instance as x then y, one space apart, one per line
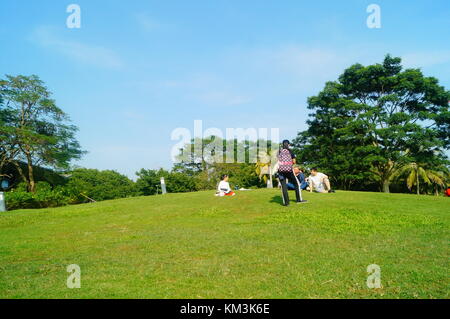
136 70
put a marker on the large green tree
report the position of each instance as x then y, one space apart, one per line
215 156
84 184
373 120
37 130
8 147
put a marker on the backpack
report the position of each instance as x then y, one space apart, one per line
285 161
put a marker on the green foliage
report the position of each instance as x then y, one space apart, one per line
149 182
414 173
40 174
44 196
20 200
178 181
37 130
241 175
206 163
81 185
372 121
98 185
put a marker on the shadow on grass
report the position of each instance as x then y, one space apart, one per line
277 199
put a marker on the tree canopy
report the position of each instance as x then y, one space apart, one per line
373 120
33 128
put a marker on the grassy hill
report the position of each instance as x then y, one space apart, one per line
196 245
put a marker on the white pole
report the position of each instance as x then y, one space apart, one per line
2 203
270 182
163 186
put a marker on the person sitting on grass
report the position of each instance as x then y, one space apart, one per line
319 182
298 172
224 188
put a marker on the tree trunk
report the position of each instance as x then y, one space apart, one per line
386 185
417 182
385 173
31 183
21 173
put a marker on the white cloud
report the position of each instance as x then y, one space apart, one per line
83 53
147 24
241 76
425 59
301 67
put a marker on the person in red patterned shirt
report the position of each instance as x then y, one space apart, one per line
286 160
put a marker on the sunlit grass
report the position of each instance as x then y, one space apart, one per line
199 246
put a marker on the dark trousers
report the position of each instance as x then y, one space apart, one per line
291 177
303 186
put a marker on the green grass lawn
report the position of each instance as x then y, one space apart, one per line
196 245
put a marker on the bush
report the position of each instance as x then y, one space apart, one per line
95 184
45 196
98 185
19 199
241 175
149 182
180 183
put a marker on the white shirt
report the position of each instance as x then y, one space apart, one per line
224 187
317 181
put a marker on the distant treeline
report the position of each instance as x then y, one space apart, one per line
376 128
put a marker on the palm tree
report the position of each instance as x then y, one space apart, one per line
416 172
264 167
438 179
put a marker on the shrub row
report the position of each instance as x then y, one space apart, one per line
44 197
82 184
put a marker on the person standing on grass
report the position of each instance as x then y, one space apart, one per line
224 188
286 160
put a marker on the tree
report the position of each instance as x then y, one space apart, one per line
7 150
438 179
98 185
414 172
264 167
215 156
374 119
149 182
37 128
